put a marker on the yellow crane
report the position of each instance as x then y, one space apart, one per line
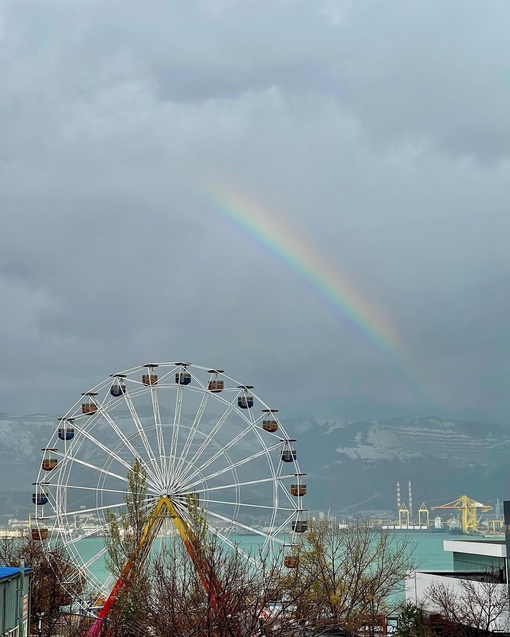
423 516
469 508
403 517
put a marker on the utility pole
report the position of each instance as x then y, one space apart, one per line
21 590
506 513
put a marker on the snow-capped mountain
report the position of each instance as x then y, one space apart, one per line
350 466
358 464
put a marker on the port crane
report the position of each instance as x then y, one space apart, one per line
403 517
469 508
423 516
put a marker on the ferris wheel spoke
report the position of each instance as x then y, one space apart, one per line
141 431
222 451
103 447
129 446
72 513
234 441
96 557
246 506
159 430
191 437
227 469
64 511
100 470
245 483
207 439
91 489
71 542
181 510
226 540
175 432
240 525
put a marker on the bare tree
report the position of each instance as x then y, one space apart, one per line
242 601
126 557
201 587
473 605
56 582
11 549
347 574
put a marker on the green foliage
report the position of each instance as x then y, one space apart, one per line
124 539
125 530
410 622
197 519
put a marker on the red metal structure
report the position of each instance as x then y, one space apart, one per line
163 509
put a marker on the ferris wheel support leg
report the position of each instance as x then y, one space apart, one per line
149 534
210 581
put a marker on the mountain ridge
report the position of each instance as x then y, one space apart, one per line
443 458
348 464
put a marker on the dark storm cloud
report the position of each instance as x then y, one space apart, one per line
379 131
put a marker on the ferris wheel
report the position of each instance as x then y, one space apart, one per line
199 435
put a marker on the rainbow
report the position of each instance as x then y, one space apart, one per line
280 238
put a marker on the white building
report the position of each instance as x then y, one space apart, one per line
473 561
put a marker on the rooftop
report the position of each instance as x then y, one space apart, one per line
11 571
476 547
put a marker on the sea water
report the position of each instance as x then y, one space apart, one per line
428 553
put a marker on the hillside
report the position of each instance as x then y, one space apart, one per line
356 465
351 466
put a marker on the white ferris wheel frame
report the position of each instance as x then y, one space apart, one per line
181 457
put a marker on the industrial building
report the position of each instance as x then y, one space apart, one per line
14 601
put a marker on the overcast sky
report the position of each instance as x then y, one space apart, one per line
376 132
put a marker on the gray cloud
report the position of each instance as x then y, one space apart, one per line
377 131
